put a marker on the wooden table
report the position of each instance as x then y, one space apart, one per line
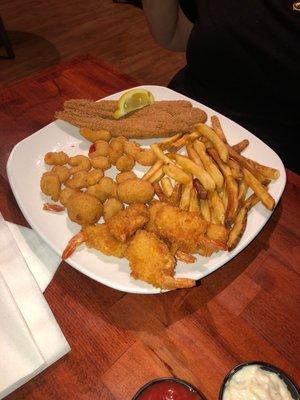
247 310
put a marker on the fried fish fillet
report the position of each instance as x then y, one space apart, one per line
151 261
161 119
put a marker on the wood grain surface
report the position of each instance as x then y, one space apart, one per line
43 33
246 310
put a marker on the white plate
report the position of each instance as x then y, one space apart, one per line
25 167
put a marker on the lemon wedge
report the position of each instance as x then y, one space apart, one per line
133 100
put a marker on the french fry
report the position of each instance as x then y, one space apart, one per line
156 176
193 155
219 145
209 165
244 162
251 201
242 192
238 228
151 171
224 198
205 210
216 125
161 155
232 204
199 172
235 169
208 144
175 197
200 191
267 172
259 189
240 222
194 204
239 147
184 140
231 189
166 186
158 191
167 143
178 174
185 197
216 207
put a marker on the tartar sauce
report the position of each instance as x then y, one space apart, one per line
254 383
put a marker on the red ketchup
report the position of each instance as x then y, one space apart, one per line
92 148
168 390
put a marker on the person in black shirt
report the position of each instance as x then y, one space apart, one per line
243 60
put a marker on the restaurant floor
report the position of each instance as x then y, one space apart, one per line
44 32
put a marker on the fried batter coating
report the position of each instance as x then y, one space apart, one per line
78 180
65 194
125 163
56 158
111 207
151 261
101 149
100 162
142 156
126 222
123 176
103 190
96 237
116 150
62 172
79 163
94 135
186 230
135 190
94 177
84 209
183 227
50 185
155 206
161 119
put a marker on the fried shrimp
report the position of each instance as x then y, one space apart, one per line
84 209
96 237
111 207
125 163
158 269
187 230
56 158
79 163
144 157
95 135
126 222
65 194
62 172
50 185
100 148
103 190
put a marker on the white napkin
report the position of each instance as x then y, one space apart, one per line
40 258
30 338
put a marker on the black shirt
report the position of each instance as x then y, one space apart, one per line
243 60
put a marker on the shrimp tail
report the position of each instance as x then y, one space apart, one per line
73 243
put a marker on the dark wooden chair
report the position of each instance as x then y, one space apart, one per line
5 42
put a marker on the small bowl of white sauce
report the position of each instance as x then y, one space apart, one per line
257 380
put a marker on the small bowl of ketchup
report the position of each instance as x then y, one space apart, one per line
167 389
